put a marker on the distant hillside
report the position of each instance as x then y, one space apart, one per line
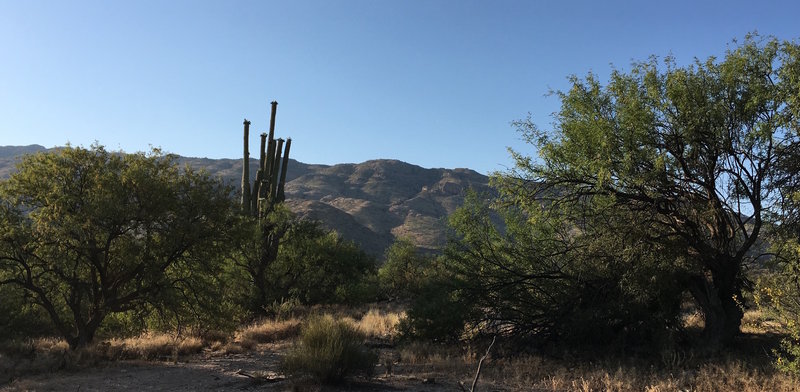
371 203
9 155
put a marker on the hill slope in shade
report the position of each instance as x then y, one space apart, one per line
10 154
371 203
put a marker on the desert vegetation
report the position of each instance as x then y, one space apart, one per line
652 245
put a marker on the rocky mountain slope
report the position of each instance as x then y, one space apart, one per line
371 203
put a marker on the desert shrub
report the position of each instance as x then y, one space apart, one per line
328 351
379 324
124 324
404 271
317 266
127 231
537 277
151 346
283 309
778 293
20 318
266 331
311 265
438 312
659 182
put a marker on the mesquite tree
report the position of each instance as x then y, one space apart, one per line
87 233
689 152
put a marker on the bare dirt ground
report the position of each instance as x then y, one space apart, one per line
214 371
256 370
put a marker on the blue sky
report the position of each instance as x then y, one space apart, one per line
434 83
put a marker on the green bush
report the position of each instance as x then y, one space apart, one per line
405 270
778 294
318 266
328 351
536 277
20 317
126 232
437 312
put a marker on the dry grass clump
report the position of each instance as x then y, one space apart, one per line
328 351
760 322
418 353
34 356
379 324
151 347
34 347
268 331
50 345
727 376
552 375
47 355
747 367
263 331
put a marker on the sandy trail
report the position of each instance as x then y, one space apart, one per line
208 372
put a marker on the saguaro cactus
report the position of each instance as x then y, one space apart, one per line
246 169
268 188
261 198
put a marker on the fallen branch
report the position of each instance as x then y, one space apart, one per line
270 378
480 365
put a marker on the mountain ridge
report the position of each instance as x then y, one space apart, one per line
371 203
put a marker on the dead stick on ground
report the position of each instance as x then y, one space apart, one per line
480 364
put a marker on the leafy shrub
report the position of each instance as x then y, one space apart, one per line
536 277
404 271
283 309
20 317
316 266
266 331
437 313
159 230
778 293
328 351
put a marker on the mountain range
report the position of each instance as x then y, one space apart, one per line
372 203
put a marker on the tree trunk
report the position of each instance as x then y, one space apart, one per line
717 294
268 253
85 334
260 283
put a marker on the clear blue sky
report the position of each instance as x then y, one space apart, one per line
434 83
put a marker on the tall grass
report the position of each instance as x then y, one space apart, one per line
328 351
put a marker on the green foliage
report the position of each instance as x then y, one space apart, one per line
438 312
313 265
687 156
404 271
538 278
420 279
259 239
283 309
652 186
20 317
317 266
86 233
778 293
328 351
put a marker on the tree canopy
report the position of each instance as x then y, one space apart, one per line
659 182
86 233
691 152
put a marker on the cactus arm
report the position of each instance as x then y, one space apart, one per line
282 181
245 203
